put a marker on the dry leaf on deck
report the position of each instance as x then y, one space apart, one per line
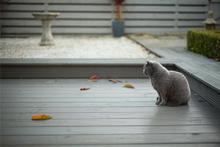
128 85
41 117
114 81
84 89
94 78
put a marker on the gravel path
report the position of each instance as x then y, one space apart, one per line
73 47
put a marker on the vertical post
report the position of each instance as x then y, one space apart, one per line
176 16
209 4
1 141
208 7
1 15
46 6
113 9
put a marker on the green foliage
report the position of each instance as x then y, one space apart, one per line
204 42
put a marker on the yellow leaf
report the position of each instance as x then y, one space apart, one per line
128 85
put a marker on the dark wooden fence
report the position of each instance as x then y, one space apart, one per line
94 16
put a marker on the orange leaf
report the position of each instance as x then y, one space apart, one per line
41 117
95 77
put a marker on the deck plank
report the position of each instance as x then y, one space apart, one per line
108 115
133 145
69 116
107 110
114 139
113 122
110 130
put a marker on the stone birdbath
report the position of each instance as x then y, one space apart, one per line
46 19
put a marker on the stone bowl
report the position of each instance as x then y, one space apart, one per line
45 15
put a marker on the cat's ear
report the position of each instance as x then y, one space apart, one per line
148 62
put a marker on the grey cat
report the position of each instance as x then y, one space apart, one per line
172 87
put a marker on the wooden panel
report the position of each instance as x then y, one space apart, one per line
136 145
215 7
70 116
113 122
216 1
109 130
58 1
75 15
95 30
104 8
210 94
144 23
191 9
60 23
71 71
106 110
108 1
113 139
60 8
62 83
153 30
43 105
158 15
106 16
191 16
190 23
70 30
190 2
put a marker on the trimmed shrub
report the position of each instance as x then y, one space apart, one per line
204 42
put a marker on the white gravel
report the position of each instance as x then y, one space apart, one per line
73 47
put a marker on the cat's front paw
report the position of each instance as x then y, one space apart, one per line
162 103
158 101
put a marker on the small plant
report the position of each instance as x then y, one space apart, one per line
118 23
204 42
118 6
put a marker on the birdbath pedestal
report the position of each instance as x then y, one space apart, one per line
46 18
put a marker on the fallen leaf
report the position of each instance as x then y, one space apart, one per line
114 81
128 85
41 117
84 89
94 78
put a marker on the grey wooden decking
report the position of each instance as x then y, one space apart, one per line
107 115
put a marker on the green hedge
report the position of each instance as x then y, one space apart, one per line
204 42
